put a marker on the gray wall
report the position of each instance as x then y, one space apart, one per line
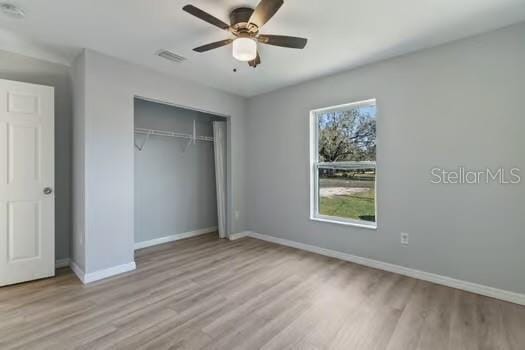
78 77
174 188
30 70
108 169
459 104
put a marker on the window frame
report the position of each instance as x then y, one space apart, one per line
315 164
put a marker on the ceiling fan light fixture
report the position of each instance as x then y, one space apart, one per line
244 31
244 49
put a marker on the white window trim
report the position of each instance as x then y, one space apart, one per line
314 153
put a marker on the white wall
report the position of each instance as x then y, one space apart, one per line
459 104
30 70
110 86
174 185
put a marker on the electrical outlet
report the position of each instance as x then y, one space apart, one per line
404 238
237 214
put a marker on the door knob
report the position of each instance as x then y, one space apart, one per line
48 190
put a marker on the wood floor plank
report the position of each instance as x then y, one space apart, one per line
207 293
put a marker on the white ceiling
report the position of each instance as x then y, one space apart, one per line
342 34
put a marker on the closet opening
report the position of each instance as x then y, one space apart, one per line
180 173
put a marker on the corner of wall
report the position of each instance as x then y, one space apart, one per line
78 84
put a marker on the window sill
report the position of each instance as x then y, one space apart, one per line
332 220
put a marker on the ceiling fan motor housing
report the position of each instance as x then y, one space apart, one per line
240 18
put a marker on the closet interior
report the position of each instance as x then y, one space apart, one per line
180 173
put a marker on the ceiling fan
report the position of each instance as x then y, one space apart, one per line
245 26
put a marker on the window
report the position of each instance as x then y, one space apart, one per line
343 164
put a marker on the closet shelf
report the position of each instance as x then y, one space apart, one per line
192 138
171 134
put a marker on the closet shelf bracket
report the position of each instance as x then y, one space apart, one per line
193 138
141 146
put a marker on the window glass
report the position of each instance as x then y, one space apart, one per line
344 165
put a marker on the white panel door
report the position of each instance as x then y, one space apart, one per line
27 200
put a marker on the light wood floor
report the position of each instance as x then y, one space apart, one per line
205 293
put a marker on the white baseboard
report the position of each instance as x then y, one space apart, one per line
176 237
492 292
60 263
77 270
239 235
101 274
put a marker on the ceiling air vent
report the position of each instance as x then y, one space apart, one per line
170 56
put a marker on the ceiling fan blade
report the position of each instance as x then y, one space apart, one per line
212 46
283 41
205 16
257 61
264 11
